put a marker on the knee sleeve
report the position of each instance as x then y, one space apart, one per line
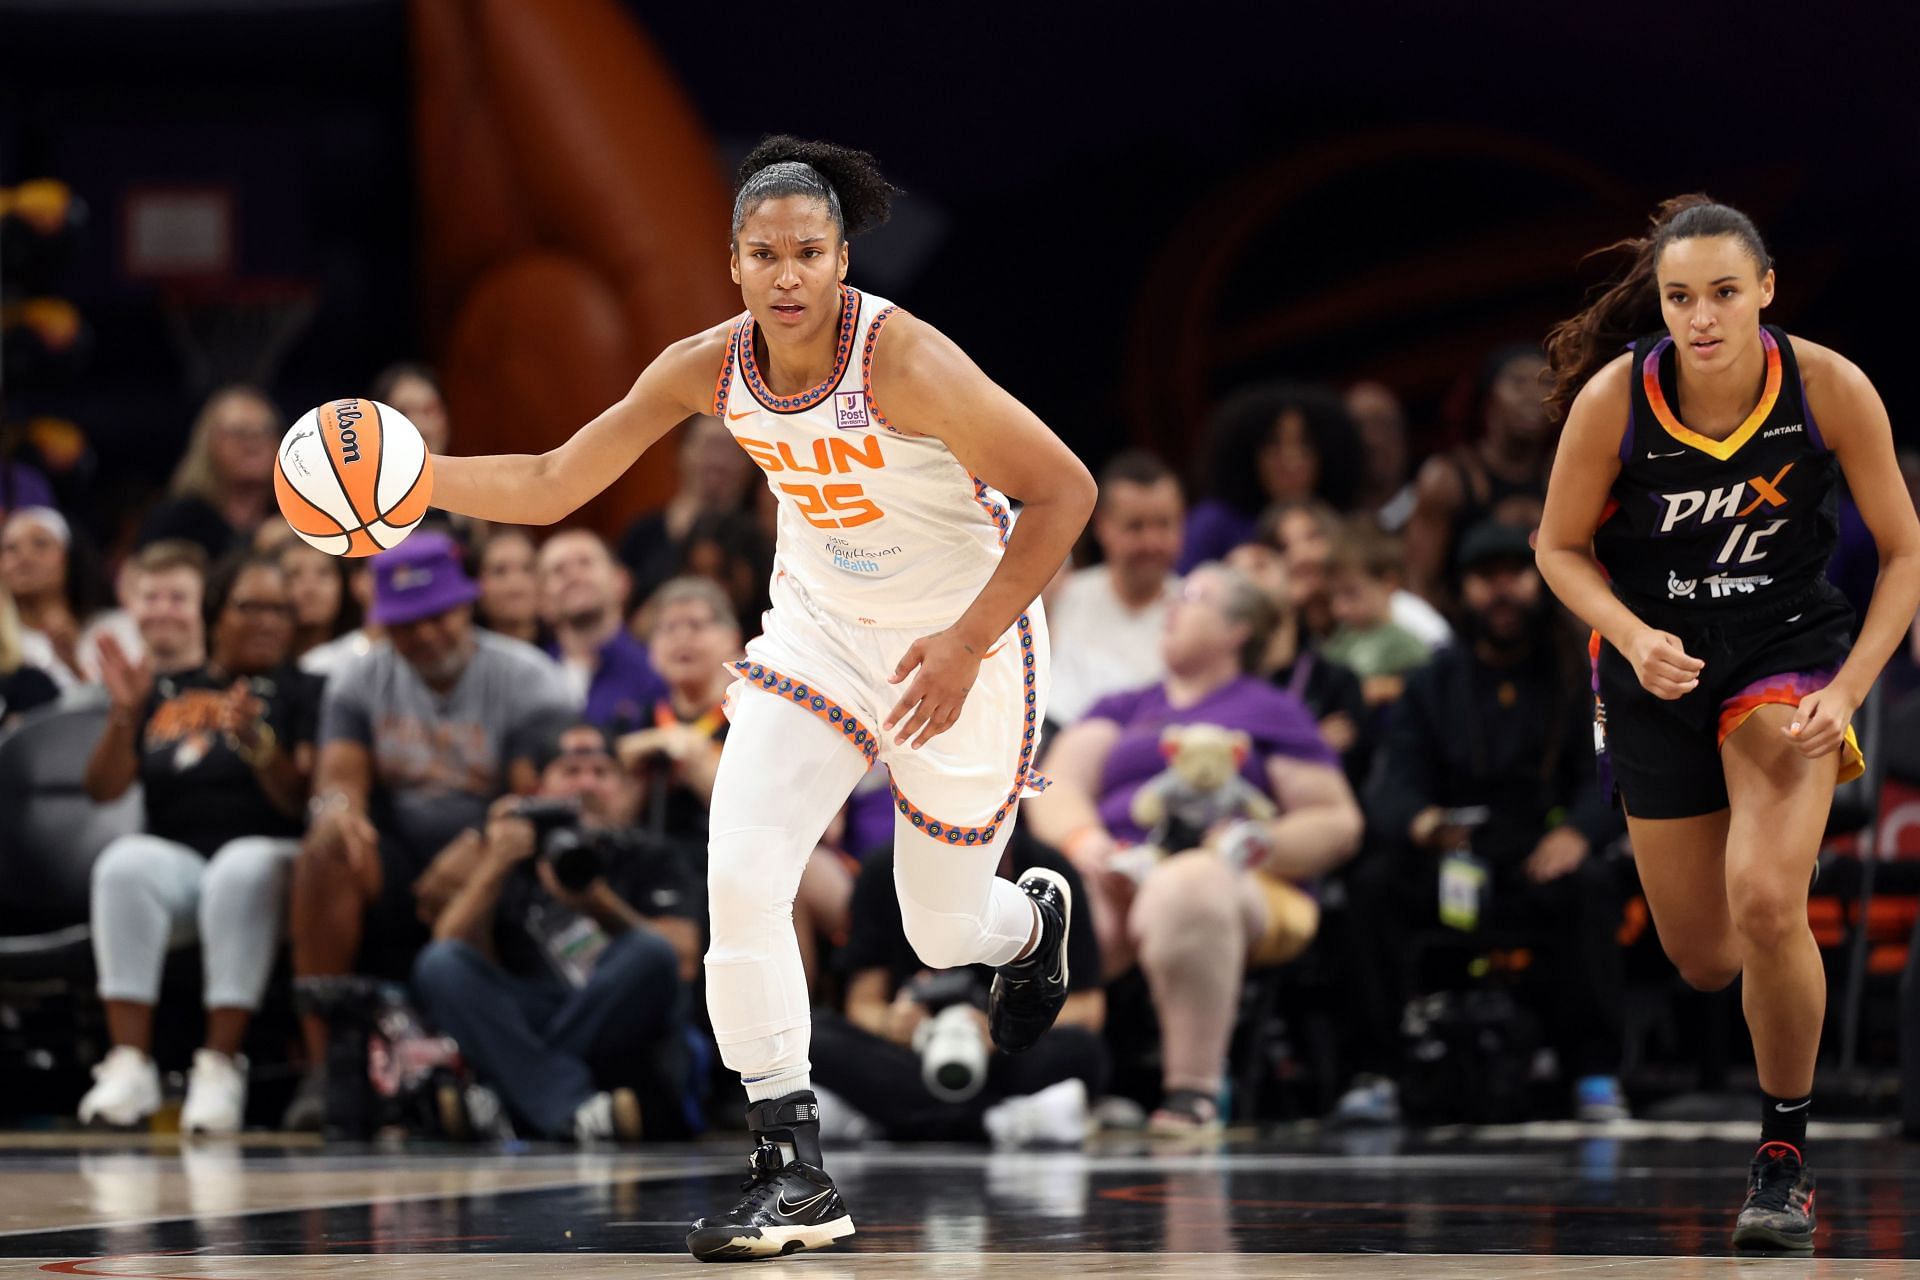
954 908
756 985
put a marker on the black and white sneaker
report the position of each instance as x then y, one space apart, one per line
1778 1214
788 1207
1027 994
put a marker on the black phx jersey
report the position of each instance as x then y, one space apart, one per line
1715 527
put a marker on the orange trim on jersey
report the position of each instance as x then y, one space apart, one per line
995 511
866 369
750 370
1788 691
724 383
1721 449
831 713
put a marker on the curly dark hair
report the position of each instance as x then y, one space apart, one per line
1246 421
857 195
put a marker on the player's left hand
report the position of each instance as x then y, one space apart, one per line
947 668
1820 724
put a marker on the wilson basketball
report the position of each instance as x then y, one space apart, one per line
353 477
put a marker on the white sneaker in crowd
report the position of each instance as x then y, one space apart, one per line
1057 1115
126 1090
216 1094
608 1117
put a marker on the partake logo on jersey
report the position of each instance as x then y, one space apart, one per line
1792 428
850 410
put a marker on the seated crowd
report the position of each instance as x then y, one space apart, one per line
479 766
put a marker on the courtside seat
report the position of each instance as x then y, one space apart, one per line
50 834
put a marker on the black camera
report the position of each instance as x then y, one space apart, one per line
579 855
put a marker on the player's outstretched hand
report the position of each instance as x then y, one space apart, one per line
947 667
1665 668
1820 725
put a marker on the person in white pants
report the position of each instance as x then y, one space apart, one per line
223 754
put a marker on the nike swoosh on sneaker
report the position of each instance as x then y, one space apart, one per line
791 1209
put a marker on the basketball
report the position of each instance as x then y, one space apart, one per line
353 477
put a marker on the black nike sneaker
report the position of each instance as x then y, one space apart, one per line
789 1206
1778 1214
1027 994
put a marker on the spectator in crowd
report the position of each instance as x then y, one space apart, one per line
583 599
1500 476
1307 534
1278 442
868 1066
694 638
223 488
417 738
223 754
1365 574
1385 490
323 608
23 686
330 655
166 596
1293 661
1501 721
58 591
1106 619
23 486
731 550
571 1001
509 603
1197 919
714 477
415 392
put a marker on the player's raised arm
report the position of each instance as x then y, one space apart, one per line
540 488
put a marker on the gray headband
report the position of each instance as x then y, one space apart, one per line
786 178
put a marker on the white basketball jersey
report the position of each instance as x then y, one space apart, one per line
877 526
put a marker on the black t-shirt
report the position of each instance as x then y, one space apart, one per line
654 877
1331 688
877 938
24 688
199 791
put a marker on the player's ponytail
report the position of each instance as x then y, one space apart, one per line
1630 305
858 197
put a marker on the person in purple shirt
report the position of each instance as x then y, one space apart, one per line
583 595
1197 920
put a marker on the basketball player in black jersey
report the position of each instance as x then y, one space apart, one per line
1689 520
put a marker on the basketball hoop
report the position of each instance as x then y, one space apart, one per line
237 330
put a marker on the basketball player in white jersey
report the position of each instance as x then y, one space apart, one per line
905 628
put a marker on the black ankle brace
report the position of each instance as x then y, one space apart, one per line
792 1118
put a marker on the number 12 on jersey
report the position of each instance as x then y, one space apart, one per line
1753 550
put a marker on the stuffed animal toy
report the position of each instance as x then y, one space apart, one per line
1198 796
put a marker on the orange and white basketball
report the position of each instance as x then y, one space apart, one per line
353 477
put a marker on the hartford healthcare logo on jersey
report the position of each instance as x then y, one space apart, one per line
1695 509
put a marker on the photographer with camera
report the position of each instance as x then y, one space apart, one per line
912 1055
563 995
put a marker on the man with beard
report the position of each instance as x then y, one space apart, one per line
1498 724
418 736
583 596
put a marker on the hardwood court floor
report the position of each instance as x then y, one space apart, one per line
1555 1202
